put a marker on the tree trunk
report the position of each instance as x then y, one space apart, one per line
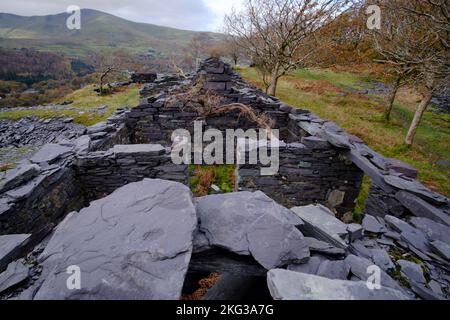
417 117
391 100
273 85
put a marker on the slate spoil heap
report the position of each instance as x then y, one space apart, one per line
111 202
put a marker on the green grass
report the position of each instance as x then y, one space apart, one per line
85 101
222 176
324 93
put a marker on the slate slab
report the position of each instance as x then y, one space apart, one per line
249 223
289 285
50 153
134 244
10 245
412 271
322 224
16 273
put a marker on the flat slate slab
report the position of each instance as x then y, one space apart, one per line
15 177
50 153
289 285
16 273
134 244
9 246
252 224
412 271
371 224
321 223
153 149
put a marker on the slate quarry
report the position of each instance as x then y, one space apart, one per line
109 201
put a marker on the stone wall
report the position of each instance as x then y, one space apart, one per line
310 172
102 172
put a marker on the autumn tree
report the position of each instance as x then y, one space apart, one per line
413 42
273 32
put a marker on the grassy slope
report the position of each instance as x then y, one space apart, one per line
326 94
84 102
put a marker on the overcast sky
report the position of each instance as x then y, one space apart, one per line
203 15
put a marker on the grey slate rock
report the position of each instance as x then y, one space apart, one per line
15 274
417 239
309 267
401 167
421 208
355 232
359 267
371 224
10 245
15 177
252 224
412 271
381 258
274 244
323 247
322 224
289 285
134 244
441 248
338 270
150 149
432 229
398 225
50 153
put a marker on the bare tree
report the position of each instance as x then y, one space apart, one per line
413 41
272 32
110 63
198 46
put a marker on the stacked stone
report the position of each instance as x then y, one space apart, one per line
102 172
310 172
38 192
215 75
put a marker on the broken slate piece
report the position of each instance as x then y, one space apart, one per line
371 224
432 229
274 244
381 258
338 270
322 224
310 267
441 248
412 271
15 274
360 267
15 177
50 153
10 246
355 232
289 285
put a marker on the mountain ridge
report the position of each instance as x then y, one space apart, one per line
98 30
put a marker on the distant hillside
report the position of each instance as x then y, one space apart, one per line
98 30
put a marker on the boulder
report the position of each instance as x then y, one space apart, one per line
134 244
289 285
252 224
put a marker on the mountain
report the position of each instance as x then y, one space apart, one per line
98 30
